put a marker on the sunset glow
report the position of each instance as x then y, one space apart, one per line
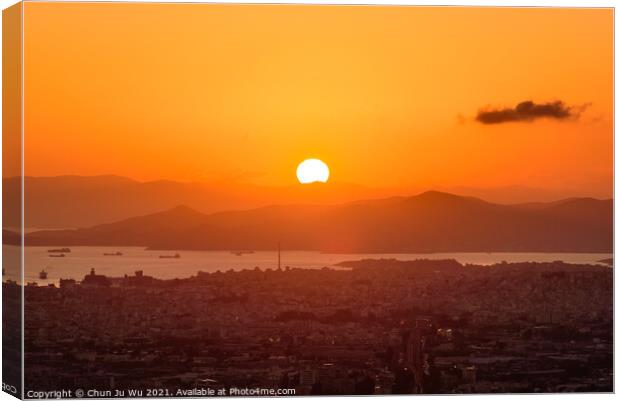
398 86
312 170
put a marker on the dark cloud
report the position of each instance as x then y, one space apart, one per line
528 111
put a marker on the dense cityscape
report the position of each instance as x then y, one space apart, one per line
366 327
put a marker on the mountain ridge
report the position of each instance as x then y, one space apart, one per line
74 201
431 221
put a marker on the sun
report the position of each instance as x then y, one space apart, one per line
312 170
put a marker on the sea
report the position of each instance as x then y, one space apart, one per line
77 263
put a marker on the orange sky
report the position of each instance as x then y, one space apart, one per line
387 96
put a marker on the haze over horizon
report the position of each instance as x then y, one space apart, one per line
80 201
500 193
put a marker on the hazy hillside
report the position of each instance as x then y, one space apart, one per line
83 201
429 222
76 201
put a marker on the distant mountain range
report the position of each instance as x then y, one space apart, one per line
83 201
428 222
